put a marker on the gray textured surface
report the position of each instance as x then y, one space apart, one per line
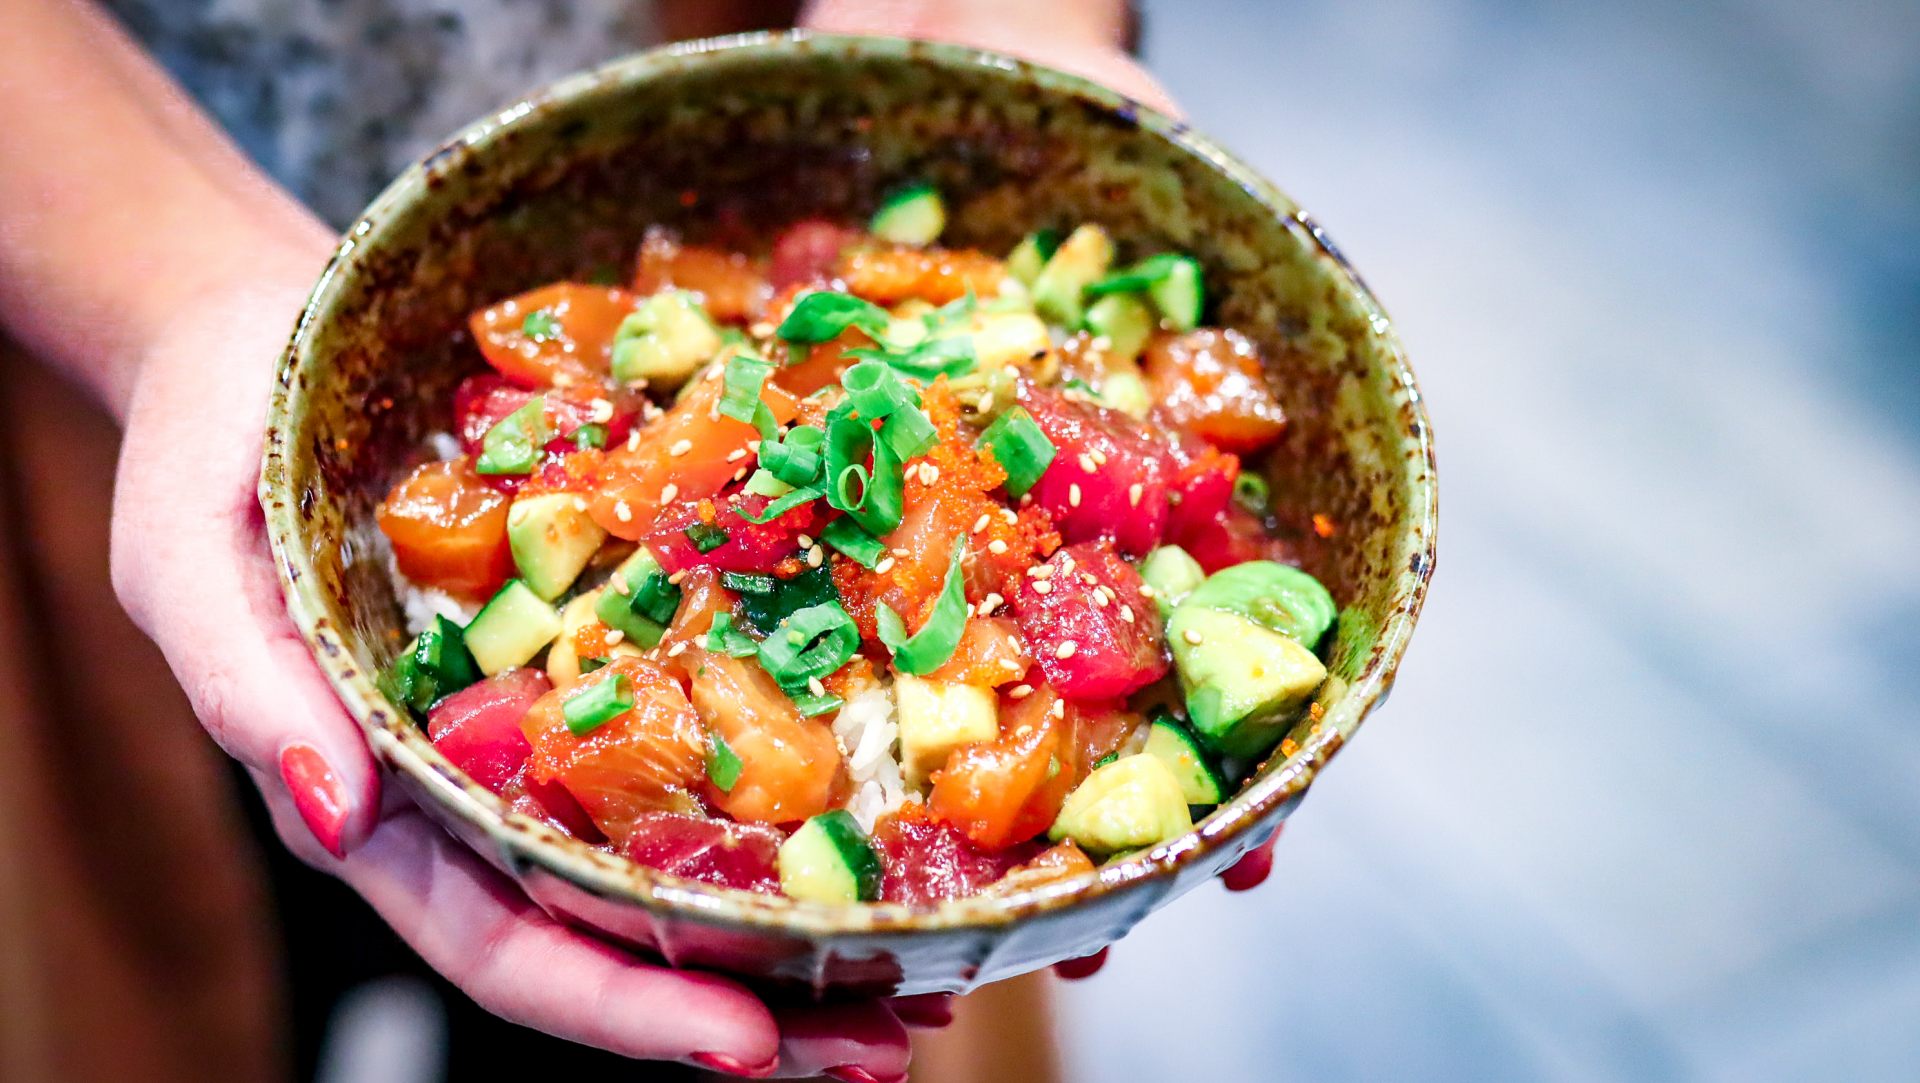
1644 805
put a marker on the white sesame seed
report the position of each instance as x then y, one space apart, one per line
1022 730
884 565
911 473
804 541
898 551
1011 665
615 636
1146 591
1009 516
990 603
1099 457
814 686
680 447
1041 586
1087 463
622 512
762 329
1192 636
1134 493
1126 613
929 473
1026 499
1088 579
676 577
677 649
815 556
736 454
633 439
753 446
1059 708
600 410
1065 650
619 581
740 474
1073 495
986 402
996 547
667 494
1099 599
1020 691
981 523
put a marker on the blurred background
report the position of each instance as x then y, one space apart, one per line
1646 803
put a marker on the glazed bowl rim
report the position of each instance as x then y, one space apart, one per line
525 844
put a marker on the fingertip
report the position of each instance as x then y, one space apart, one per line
843 1041
1251 870
1083 967
927 1011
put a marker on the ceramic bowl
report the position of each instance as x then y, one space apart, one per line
729 139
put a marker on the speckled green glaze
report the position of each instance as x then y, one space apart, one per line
724 140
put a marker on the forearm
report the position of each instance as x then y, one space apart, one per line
120 204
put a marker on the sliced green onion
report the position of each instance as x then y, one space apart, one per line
909 433
1138 277
930 647
706 537
434 666
747 583
590 435
782 505
847 536
957 311
796 458
588 665
870 494
740 394
932 358
1020 448
809 644
512 445
810 704
762 482
1104 760
656 599
763 611
822 315
876 390
723 763
724 638
539 325
598 704
1250 492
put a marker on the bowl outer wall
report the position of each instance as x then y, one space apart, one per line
831 123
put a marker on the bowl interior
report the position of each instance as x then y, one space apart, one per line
726 141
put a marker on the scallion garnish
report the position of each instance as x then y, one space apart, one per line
809 644
870 494
539 325
782 505
588 665
876 390
926 360
724 638
957 311
810 704
762 482
706 537
723 763
822 315
748 583
590 435
740 394
598 704
847 536
512 445
930 647
909 433
1138 277
796 458
656 598
1020 448
1250 492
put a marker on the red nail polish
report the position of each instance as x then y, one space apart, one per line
931 1011
1250 871
317 795
1075 969
720 1062
853 1073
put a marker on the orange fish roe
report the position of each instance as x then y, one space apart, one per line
572 472
590 640
851 679
887 276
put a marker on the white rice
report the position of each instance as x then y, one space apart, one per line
869 737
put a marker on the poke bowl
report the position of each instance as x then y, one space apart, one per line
868 516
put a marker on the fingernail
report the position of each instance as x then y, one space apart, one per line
1075 969
317 794
720 1062
930 1012
853 1073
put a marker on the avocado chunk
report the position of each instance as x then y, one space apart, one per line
914 216
1132 803
1125 321
937 717
1244 683
1060 288
1030 256
1006 338
1274 596
552 538
1124 388
1179 294
563 658
511 628
639 601
1173 575
665 340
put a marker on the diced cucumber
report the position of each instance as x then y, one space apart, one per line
915 216
1126 323
435 665
1245 684
1030 256
1059 290
552 538
1172 744
665 340
1173 575
1272 595
1123 388
1179 294
1132 803
642 610
937 717
830 860
511 628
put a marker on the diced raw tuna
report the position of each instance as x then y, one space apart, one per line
1109 474
808 251
924 860
478 727
749 547
481 402
717 852
1088 626
1233 536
